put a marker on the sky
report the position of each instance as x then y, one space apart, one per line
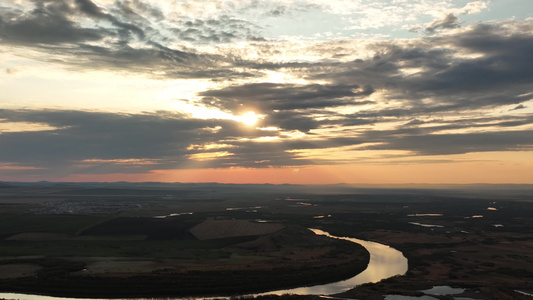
248 91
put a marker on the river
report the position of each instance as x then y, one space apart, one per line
385 262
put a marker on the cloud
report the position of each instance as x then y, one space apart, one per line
11 71
91 9
474 7
89 135
481 66
58 29
279 96
80 141
95 142
223 29
457 77
290 120
456 91
439 144
47 23
520 106
137 9
450 21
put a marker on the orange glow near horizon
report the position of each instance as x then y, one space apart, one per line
443 173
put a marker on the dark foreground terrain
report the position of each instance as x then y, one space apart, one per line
109 241
159 240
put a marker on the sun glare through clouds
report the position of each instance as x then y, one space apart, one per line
249 118
134 87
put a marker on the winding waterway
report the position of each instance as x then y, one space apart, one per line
385 262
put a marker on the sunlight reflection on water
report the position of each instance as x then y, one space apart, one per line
385 262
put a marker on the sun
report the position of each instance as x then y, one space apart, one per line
249 118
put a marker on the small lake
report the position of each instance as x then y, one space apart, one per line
426 225
385 262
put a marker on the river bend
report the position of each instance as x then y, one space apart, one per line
385 262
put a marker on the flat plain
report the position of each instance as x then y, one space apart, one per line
179 239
